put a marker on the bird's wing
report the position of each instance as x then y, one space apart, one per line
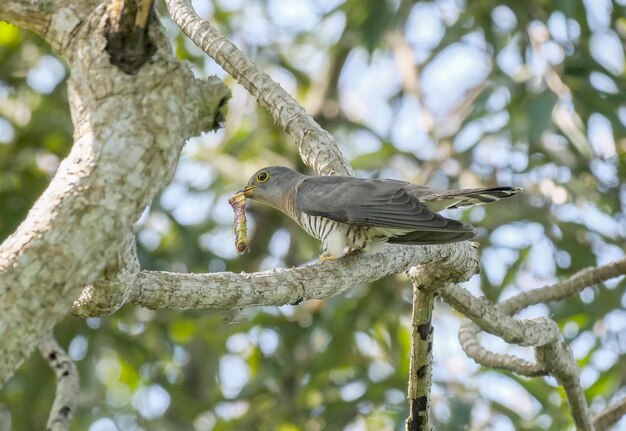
375 203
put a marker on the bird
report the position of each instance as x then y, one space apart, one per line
349 214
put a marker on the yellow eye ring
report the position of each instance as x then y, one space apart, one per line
262 176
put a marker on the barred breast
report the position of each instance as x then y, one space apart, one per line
337 238
331 233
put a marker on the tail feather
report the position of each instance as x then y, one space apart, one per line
450 199
432 237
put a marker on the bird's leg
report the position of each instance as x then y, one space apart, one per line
326 255
349 251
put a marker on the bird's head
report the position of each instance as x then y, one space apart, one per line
272 185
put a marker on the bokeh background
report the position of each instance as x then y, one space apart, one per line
447 93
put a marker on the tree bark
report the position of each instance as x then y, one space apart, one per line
129 131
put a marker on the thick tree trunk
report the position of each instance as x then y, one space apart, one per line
129 130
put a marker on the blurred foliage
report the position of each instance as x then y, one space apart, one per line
546 113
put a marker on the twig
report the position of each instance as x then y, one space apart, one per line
610 415
468 337
564 289
541 333
560 363
553 357
532 332
468 333
67 384
318 148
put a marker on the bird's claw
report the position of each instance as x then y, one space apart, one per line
348 252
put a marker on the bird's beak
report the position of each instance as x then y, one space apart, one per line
244 191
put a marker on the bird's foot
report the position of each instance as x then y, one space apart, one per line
346 253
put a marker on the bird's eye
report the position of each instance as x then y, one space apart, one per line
262 176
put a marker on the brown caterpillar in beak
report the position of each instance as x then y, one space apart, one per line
238 204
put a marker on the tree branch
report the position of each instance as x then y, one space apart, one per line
421 354
227 290
532 332
54 20
564 289
469 331
468 337
543 333
67 384
318 148
553 357
610 415
113 288
129 131
558 360
421 360
287 286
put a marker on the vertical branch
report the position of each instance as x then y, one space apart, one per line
428 280
421 360
67 384
559 361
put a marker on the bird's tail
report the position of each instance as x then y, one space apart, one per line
450 199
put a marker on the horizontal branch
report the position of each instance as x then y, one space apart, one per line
564 289
288 286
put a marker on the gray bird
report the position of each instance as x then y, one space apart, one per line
349 214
